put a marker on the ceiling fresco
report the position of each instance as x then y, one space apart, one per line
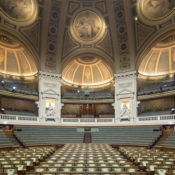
87 26
156 10
19 11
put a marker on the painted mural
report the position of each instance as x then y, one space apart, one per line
87 25
157 8
17 9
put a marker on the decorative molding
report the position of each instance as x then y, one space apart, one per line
73 6
69 44
122 34
49 76
101 6
32 33
106 44
53 35
143 32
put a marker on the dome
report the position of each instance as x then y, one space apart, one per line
87 71
160 60
15 59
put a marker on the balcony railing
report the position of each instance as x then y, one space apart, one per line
29 120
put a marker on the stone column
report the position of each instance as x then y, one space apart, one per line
49 104
125 97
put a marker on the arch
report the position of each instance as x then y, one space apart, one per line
94 51
87 70
17 59
151 43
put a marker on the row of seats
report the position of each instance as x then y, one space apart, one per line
86 159
20 160
23 113
158 88
90 95
143 136
168 142
8 85
154 161
32 135
4 140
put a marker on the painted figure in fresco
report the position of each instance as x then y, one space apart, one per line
157 8
18 9
86 26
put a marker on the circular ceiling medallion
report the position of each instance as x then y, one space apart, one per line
155 10
87 26
21 12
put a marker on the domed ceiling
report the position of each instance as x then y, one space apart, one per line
15 59
87 70
160 60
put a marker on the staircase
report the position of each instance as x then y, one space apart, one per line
87 137
15 141
156 141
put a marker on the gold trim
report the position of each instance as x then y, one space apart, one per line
17 60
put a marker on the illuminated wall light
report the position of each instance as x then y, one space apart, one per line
14 88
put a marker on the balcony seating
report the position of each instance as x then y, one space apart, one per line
23 113
48 135
154 161
158 88
155 113
106 116
143 136
90 96
80 159
20 88
4 140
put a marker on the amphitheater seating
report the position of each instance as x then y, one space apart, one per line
48 135
168 142
19 160
143 136
153 161
4 140
81 159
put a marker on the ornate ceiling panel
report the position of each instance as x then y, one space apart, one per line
87 70
15 59
160 60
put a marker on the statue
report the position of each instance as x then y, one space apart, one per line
125 112
50 111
